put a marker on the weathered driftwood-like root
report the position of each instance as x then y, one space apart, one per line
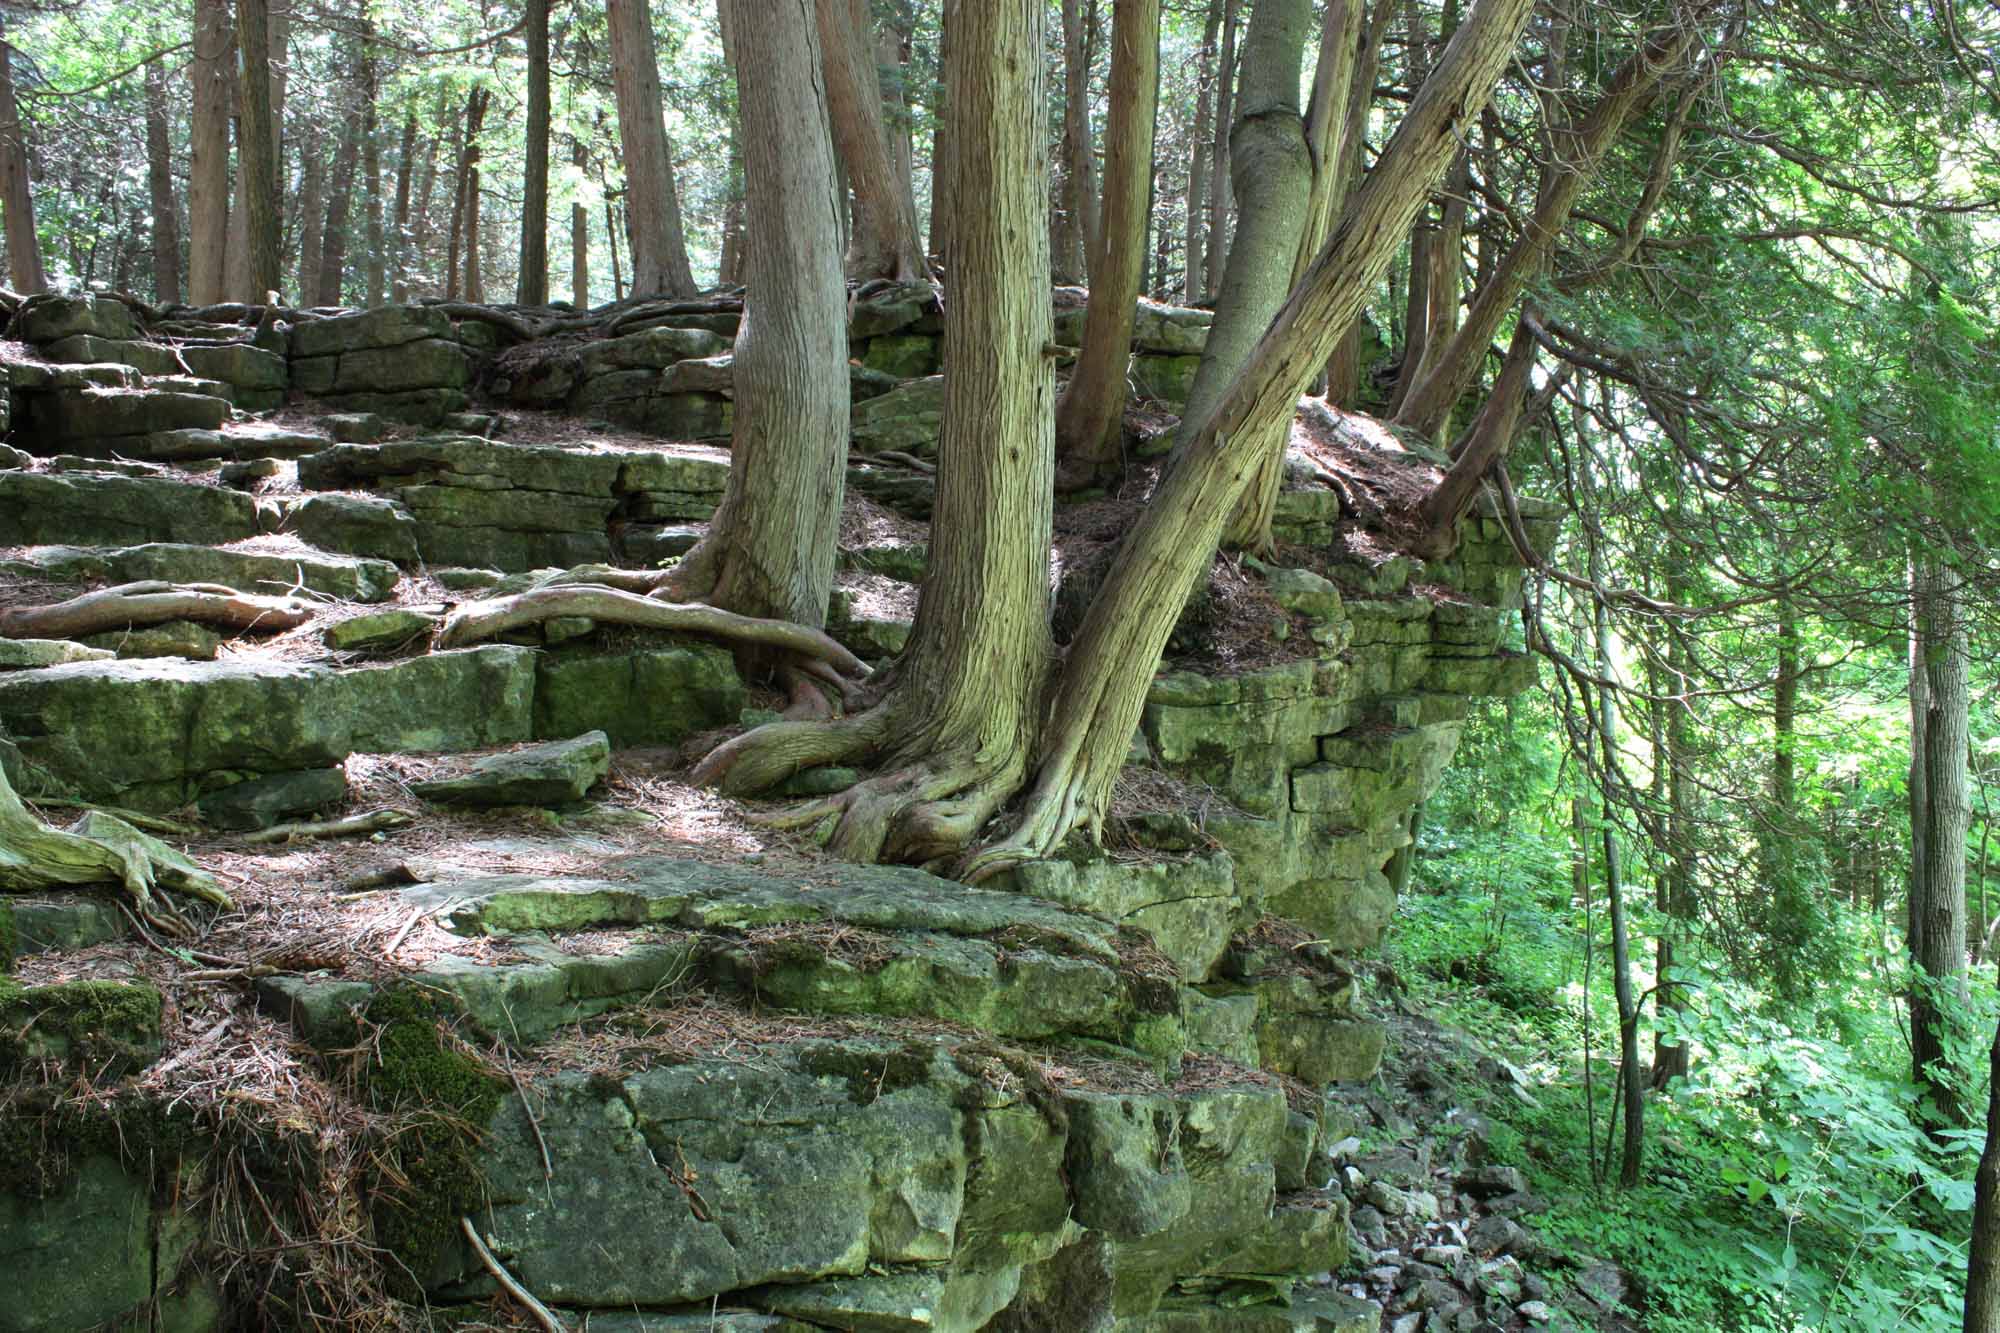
152 602
99 849
765 756
352 826
475 622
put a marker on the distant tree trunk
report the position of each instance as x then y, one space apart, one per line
729 271
1195 285
1090 413
159 182
474 286
1221 207
1077 231
1940 813
611 239
941 141
259 163
312 216
374 267
659 250
339 208
24 247
208 154
885 242
399 241
1675 892
579 238
1343 368
532 285
770 549
1982 1275
421 218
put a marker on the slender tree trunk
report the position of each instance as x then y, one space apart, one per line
1940 814
259 164
770 548
1982 1276
729 270
421 222
208 154
1195 284
579 237
532 285
1584 143
885 242
1676 890
1117 650
24 247
659 252
339 207
374 268
474 284
1077 218
1090 414
1221 206
1343 368
159 183
941 209
399 242
611 239
312 217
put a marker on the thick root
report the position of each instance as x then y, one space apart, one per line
475 622
135 605
922 813
101 849
761 758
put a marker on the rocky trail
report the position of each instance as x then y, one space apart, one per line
500 1004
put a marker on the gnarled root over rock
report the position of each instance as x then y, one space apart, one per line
99 849
136 605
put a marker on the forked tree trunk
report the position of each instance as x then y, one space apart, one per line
1090 414
24 248
885 242
1115 653
159 185
659 251
1583 144
208 154
531 284
1940 813
259 165
770 549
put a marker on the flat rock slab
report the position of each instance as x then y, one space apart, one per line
36 508
346 577
28 654
262 802
393 628
551 774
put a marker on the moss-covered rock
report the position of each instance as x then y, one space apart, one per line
38 508
100 1026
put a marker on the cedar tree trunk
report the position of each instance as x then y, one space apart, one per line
885 242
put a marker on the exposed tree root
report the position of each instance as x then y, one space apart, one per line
761 758
99 849
153 602
475 622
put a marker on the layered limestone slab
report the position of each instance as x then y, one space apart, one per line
99 509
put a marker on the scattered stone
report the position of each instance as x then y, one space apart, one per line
551 774
28 654
357 525
119 467
466 580
176 638
1602 1284
390 629
1500 1235
265 801
1535 1312
245 475
1388 1200
355 427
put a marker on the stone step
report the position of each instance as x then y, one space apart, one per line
155 735
268 572
37 509
49 417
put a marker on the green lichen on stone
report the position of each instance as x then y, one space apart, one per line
416 1070
106 1026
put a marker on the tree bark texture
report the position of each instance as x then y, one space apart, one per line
208 154
532 284
659 252
770 549
1090 414
1221 204
1940 814
1115 653
579 239
1982 1275
331 281
312 216
259 163
399 221
1077 224
159 185
24 247
885 242
374 269
1193 287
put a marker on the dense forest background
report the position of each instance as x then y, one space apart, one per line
1746 255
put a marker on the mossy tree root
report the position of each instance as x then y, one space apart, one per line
99 849
154 602
476 622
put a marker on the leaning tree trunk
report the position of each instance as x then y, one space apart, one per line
770 549
954 735
24 248
208 154
159 184
259 164
1090 414
1584 143
1114 655
531 286
885 242
1940 813
659 253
